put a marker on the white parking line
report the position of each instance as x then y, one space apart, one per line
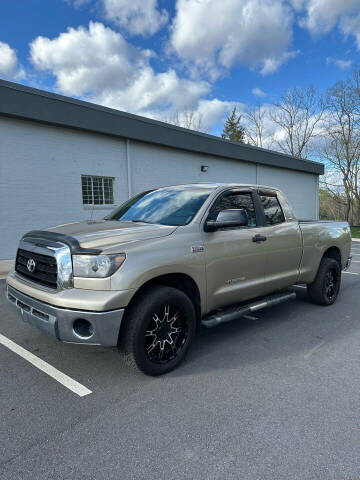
313 350
68 382
351 273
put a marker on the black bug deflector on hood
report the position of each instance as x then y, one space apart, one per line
71 242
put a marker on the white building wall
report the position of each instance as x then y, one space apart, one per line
153 166
40 176
41 168
301 188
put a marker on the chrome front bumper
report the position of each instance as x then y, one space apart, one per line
59 322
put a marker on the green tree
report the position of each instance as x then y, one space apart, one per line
233 130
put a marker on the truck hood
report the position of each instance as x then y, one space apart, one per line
107 233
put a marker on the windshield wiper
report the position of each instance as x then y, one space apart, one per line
138 220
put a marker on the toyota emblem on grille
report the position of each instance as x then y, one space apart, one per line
31 265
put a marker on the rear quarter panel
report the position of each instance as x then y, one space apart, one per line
317 237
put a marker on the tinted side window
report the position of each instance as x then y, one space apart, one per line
238 200
272 210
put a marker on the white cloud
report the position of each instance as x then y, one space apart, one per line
77 3
98 65
297 4
154 94
351 26
139 17
88 60
8 60
258 92
9 64
214 111
342 64
323 15
206 115
273 63
213 38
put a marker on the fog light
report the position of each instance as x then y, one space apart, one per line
83 328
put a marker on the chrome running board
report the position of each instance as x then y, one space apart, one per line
233 313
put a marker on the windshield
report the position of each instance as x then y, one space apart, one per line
166 206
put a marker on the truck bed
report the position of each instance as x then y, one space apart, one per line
317 237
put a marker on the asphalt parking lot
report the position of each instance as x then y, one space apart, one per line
272 398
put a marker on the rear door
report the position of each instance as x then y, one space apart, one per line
234 262
283 247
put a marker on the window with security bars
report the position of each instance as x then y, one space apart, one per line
97 190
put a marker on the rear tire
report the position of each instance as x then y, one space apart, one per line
325 288
158 330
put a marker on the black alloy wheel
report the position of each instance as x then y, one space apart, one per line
325 288
166 335
331 281
158 330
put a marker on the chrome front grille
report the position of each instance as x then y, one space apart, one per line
36 267
45 262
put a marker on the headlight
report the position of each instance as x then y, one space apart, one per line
97 266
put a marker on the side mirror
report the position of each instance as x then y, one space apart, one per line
228 218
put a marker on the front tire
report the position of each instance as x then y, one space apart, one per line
158 330
325 288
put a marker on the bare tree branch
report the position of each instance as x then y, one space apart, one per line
298 114
255 130
187 119
341 133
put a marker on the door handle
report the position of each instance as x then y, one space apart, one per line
259 238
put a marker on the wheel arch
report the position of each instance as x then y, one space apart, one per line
180 281
333 252
320 291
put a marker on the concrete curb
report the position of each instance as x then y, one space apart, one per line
355 239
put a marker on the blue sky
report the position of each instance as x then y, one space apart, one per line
155 58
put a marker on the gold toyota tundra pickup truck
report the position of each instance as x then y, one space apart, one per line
167 261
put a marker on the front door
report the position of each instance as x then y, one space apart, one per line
234 262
